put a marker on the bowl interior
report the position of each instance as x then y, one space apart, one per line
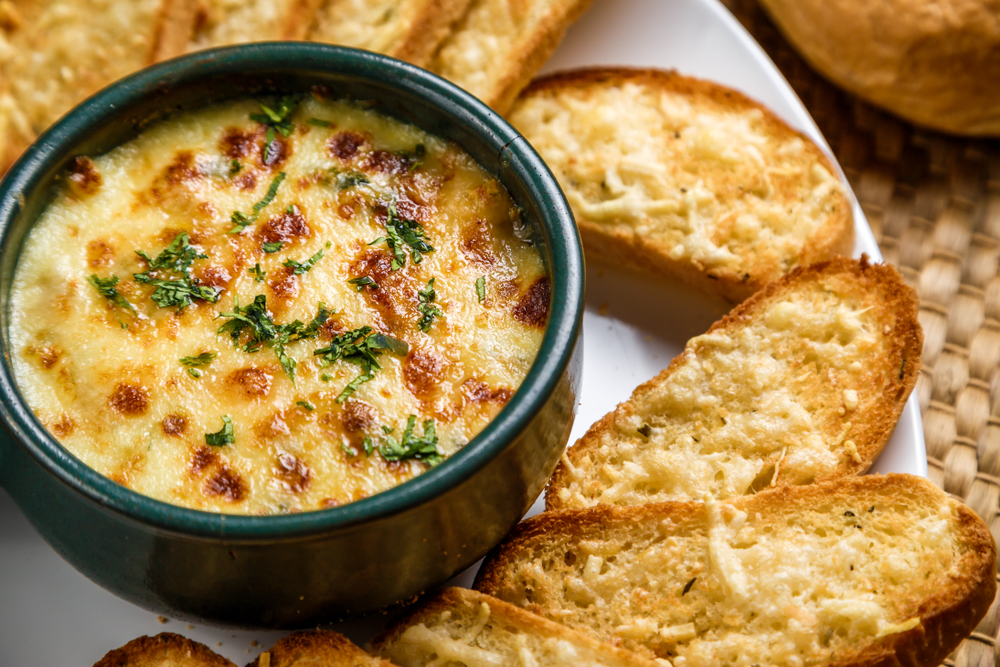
410 94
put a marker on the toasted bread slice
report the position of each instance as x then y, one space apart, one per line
65 50
874 570
223 22
410 30
457 626
499 45
685 178
803 382
164 650
319 648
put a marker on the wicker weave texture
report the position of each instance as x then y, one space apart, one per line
933 202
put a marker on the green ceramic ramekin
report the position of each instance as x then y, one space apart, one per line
297 570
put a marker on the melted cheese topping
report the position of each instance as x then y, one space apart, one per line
709 184
120 399
769 400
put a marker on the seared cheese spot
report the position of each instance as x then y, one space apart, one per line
101 367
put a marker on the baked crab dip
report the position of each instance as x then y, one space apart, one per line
272 306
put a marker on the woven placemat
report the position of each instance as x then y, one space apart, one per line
933 202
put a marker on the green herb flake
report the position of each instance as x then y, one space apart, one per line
242 221
258 273
298 268
305 404
194 372
428 311
224 437
325 377
422 448
318 122
180 291
273 247
203 359
350 451
369 445
255 320
276 120
351 179
402 232
235 167
361 281
481 288
360 347
106 288
645 430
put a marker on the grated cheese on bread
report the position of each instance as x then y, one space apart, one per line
410 30
685 178
224 22
873 570
459 627
163 650
499 45
803 382
317 648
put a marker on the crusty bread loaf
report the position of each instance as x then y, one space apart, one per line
164 650
874 570
499 45
457 626
410 30
930 62
685 177
802 382
318 648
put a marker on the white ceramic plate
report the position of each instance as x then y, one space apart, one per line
633 326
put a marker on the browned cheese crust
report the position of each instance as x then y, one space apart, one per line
163 650
646 250
926 615
461 609
853 405
314 648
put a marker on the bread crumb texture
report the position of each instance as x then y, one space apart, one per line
462 627
803 575
802 383
681 175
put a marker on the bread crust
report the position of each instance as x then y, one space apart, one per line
925 61
870 432
522 58
945 618
508 615
317 647
165 648
624 246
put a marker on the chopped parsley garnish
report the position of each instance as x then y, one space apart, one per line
263 332
224 437
428 311
257 272
273 247
362 348
319 122
298 268
175 291
106 288
403 232
305 404
423 448
351 179
194 372
361 281
325 377
235 167
481 288
243 221
203 359
276 120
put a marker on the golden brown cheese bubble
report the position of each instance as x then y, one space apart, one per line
261 311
